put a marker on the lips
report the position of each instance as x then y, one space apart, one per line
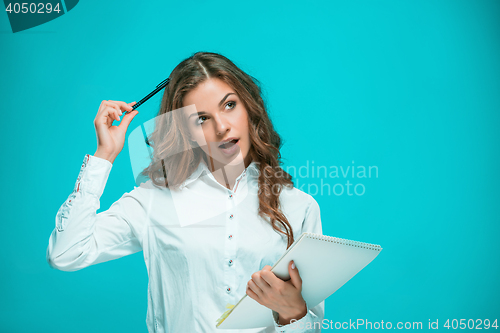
229 148
228 143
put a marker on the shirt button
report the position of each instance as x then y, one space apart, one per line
230 236
230 196
231 216
228 290
230 263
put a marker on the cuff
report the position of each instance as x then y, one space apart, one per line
303 324
93 175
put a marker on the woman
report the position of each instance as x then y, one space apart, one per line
215 214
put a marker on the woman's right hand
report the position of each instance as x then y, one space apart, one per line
110 139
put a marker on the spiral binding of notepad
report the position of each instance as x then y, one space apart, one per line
348 242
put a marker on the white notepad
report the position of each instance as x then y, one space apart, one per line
324 263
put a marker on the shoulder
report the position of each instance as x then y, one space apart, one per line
145 190
297 195
148 185
301 210
294 197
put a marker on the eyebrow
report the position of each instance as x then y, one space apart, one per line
220 103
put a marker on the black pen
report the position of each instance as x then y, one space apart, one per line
151 94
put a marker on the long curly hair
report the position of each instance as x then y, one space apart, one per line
265 142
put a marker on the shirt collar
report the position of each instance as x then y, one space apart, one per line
202 169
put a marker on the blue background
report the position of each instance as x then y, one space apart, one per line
411 87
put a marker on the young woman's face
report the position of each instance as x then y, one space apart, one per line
221 116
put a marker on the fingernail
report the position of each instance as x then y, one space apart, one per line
120 113
293 265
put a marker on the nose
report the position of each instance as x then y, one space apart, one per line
221 124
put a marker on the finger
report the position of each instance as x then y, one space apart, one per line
294 275
108 113
116 113
255 288
115 106
270 278
260 282
122 105
127 118
105 115
253 295
101 110
131 104
111 114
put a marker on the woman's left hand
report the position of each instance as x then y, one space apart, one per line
284 297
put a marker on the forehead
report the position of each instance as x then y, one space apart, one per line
208 93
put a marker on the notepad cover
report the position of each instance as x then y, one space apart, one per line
325 264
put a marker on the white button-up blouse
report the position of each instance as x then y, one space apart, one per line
201 242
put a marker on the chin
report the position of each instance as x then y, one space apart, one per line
238 159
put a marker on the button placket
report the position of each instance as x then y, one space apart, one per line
230 252
231 205
238 180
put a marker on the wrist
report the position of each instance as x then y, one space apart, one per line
285 318
107 156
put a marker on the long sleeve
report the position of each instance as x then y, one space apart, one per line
81 237
311 322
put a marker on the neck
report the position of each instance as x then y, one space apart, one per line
227 174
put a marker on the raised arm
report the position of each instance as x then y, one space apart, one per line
81 237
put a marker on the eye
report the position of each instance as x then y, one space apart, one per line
231 102
199 119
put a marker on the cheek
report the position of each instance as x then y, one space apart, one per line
201 135
245 134
243 125
246 142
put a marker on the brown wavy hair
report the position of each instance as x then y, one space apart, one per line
265 142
